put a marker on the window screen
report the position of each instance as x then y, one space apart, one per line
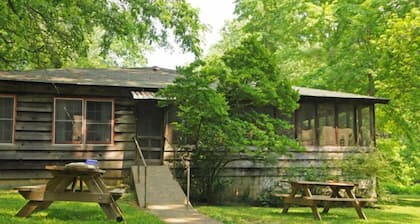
7 105
306 124
80 121
98 122
68 121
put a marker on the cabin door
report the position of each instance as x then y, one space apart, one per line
150 130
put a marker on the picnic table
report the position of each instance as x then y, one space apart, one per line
72 183
307 198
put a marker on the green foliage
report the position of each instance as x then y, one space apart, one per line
371 167
354 46
267 196
44 34
323 172
219 104
401 189
398 78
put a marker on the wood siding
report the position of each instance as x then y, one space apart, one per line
25 160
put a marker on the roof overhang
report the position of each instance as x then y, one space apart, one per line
149 78
327 94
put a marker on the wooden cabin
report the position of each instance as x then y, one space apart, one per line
69 115
332 126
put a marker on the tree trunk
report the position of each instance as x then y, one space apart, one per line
371 90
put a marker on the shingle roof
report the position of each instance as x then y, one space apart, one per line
149 77
319 93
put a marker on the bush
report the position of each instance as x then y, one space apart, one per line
400 189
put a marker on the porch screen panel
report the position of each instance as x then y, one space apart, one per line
346 135
327 133
6 119
305 127
68 121
364 128
98 121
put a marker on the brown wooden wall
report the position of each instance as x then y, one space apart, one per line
24 161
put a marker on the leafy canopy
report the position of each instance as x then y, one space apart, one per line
44 34
232 107
367 47
398 78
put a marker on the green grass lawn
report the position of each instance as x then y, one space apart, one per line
69 212
404 209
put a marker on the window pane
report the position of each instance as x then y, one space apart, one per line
6 131
326 116
68 121
98 133
6 108
306 124
99 121
67 132
99 111
6 119
346 125
363 125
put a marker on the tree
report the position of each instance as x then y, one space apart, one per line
366 47
234 112
287 29
45 34
323 44
349 46
398 78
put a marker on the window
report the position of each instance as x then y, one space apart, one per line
7 118
364 126
335 124
98 121
306 124
346 125
326 118
80 121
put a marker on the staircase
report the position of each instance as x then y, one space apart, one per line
161 188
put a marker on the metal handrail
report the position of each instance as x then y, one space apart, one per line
186 160
139 151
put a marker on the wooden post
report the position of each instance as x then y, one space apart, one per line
145 186
371 87
188 183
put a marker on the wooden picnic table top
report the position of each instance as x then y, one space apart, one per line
74 170
328 184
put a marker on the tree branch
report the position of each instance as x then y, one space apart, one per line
12 7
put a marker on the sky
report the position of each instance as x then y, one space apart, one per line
214 13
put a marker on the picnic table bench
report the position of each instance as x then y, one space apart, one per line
306 198
72 183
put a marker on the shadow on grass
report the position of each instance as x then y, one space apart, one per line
74 212
403 201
